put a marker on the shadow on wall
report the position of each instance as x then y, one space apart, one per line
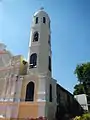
67 107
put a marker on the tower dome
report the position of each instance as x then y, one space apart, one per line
39 54
40 13
41 16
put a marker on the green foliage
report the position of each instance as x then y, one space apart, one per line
79 73
78 89
86 116
82 72
83 117
77 118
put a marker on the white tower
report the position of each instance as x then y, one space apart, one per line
39 54
39 59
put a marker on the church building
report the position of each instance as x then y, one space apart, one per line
27 89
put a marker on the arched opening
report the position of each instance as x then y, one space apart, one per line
44 20
49 38
33 60
49 63
49 24
50 93
35 37
30 92
36 20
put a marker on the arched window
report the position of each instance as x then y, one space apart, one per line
50 93
49 38
49 63
49 42
35 37
49 24
36 20
33 60
30 92
44 20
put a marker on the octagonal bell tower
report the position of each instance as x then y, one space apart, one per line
39 54
39 88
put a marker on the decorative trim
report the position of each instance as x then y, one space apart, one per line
41 93
40 100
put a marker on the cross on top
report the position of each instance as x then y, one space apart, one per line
41 8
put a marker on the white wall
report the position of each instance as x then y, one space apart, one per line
82 99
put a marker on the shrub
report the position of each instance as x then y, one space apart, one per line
77 118
86 116
83 117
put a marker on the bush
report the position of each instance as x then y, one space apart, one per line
77 118
86 116
83 117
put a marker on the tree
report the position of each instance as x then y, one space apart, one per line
78 89
82 72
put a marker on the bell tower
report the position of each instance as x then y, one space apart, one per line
39 54
39 66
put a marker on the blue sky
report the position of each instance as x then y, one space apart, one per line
70 28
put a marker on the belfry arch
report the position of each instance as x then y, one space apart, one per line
30 91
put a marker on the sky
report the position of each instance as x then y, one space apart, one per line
70 32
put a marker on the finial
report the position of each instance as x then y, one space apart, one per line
41 8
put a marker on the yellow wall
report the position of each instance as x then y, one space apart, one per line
28 110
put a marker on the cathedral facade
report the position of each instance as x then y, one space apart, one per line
27 89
